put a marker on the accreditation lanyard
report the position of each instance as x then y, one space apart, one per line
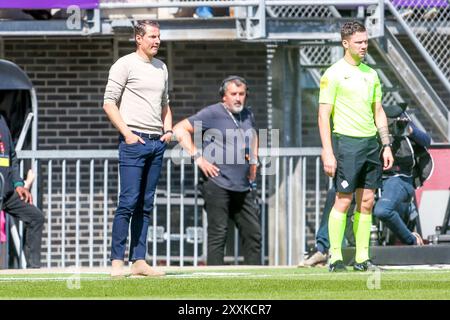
247 155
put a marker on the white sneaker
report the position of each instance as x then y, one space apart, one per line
317 259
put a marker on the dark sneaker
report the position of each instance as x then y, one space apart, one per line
365 266
337 266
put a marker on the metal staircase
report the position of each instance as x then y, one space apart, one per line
413 81
427 24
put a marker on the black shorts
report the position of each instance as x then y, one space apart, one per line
358 163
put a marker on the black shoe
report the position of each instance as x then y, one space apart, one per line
365 266
337 266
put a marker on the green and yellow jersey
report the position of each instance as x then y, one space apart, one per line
352 91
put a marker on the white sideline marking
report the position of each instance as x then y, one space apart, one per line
12 279
198 275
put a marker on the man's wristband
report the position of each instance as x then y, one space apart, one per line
387 145
168 131
196 156
18 184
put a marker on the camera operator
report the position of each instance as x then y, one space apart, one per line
412 166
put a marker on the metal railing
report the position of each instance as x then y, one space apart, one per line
427 23
79 189
415 82
251 15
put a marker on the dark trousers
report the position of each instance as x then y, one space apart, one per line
33 220
242 208
393 207
140 167
322 239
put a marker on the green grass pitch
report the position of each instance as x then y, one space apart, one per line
232 283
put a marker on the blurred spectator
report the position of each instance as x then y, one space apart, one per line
203 13
426 9
39 14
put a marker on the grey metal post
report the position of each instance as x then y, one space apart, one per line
91 213
236 245
277 209
195 214
375 22
285 208
298 99
168 220
303 228
182 213
155 226
22 261
448 127
77 214
24 131
290 200
49 213
288 97
263 210
316 227
105 211
34 140
261 17
63 216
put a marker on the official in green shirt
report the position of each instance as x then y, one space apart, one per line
350 95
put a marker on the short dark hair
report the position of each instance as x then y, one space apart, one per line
141 25
237 80
350 28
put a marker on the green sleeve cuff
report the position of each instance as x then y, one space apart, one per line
18 184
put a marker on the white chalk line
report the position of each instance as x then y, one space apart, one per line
199 275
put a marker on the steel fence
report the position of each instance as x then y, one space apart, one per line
296 11
79 191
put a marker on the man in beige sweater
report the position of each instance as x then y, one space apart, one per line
136 102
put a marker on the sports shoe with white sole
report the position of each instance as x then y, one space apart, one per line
337 266
365 266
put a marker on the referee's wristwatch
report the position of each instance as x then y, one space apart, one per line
195 156
387 145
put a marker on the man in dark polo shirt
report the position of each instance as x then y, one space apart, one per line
227 158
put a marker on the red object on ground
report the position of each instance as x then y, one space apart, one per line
440 178
2 226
